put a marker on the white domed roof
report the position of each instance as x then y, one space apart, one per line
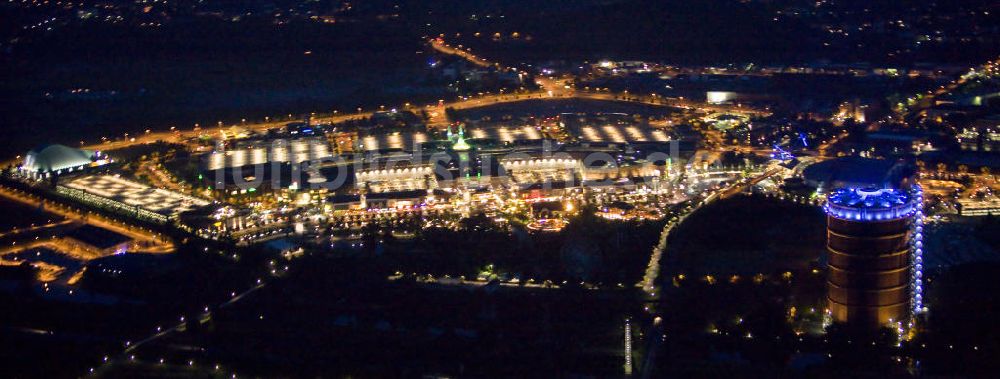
55 157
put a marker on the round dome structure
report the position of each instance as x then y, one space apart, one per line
55 158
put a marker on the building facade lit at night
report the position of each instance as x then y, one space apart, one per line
874 241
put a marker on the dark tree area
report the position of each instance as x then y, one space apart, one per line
961 331
336 315
988 231
748 235
589 249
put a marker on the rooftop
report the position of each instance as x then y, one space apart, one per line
869 197
55 157
873 204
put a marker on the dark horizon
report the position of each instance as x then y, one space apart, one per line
517 188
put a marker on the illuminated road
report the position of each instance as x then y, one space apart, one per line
439 45
657 336
552 88
160 178
161 332
742 185
989 69
180 326
154 242
36 228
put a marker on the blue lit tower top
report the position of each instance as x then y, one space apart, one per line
873 204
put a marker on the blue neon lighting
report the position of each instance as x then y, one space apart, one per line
872 204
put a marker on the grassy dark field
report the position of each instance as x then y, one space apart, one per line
749 234
18 215
339 317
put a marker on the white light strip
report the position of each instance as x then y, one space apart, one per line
917 258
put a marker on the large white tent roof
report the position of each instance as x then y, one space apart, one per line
55 157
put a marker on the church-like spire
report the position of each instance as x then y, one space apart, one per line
460 144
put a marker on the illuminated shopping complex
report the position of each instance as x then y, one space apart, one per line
875 255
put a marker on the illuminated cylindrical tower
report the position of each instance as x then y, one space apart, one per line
873 240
